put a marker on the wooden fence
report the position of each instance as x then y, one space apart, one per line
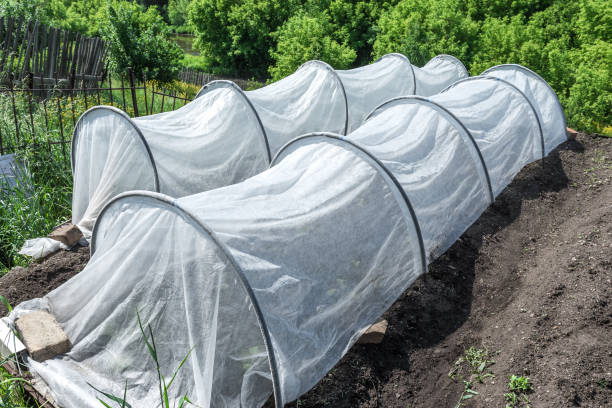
50 54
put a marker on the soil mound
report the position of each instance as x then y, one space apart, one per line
39 278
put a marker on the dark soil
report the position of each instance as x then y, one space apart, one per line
531 281
41 277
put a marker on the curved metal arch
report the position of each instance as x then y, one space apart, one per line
451 118
130 121
454 60
503 81
405 59
207 231
537 76
335 75
381 168
223 83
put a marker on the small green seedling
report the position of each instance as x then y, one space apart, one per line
520 384
475 365
519 387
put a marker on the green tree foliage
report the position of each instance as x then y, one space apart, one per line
568 43
236 35
178 14
40 10
304 37
422 29
85 16
357 20
139 38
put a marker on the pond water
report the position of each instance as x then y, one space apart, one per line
186 43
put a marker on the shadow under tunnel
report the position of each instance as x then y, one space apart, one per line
437 304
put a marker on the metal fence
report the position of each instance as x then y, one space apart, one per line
201 78
37 114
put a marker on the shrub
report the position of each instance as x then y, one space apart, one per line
236 35
567 43
178 14
590 97
422 29
139 38
304 37
356 20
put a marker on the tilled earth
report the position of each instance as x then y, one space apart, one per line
530 281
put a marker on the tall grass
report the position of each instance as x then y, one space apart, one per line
41 199
163 384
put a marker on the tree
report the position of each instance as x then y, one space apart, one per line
304 37
236 36
178 13
422 29
138 38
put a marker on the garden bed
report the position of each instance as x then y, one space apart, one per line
530 282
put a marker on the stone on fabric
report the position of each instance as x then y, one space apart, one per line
42 335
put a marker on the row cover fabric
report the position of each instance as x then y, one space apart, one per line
226 135
270 281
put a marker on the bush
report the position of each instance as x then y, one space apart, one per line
139 38
590 97
357 21
304 37
236 35
422 29
567 43
178 14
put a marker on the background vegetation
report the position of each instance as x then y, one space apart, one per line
567 42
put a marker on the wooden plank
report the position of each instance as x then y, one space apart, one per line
15 43
73 64
25 66
62 70
98 57
53 53
7 41
36 50
45 67
22 50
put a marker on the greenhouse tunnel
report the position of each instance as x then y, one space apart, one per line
226 135
257 278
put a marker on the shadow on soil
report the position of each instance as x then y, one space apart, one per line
437 304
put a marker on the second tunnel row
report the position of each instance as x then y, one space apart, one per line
268 282
226 135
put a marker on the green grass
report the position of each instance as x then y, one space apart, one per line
163 384
42 198
12 393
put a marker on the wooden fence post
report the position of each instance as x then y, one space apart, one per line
12 93
133 88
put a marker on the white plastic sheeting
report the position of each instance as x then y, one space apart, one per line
270 281
541 95
226 135
393 75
